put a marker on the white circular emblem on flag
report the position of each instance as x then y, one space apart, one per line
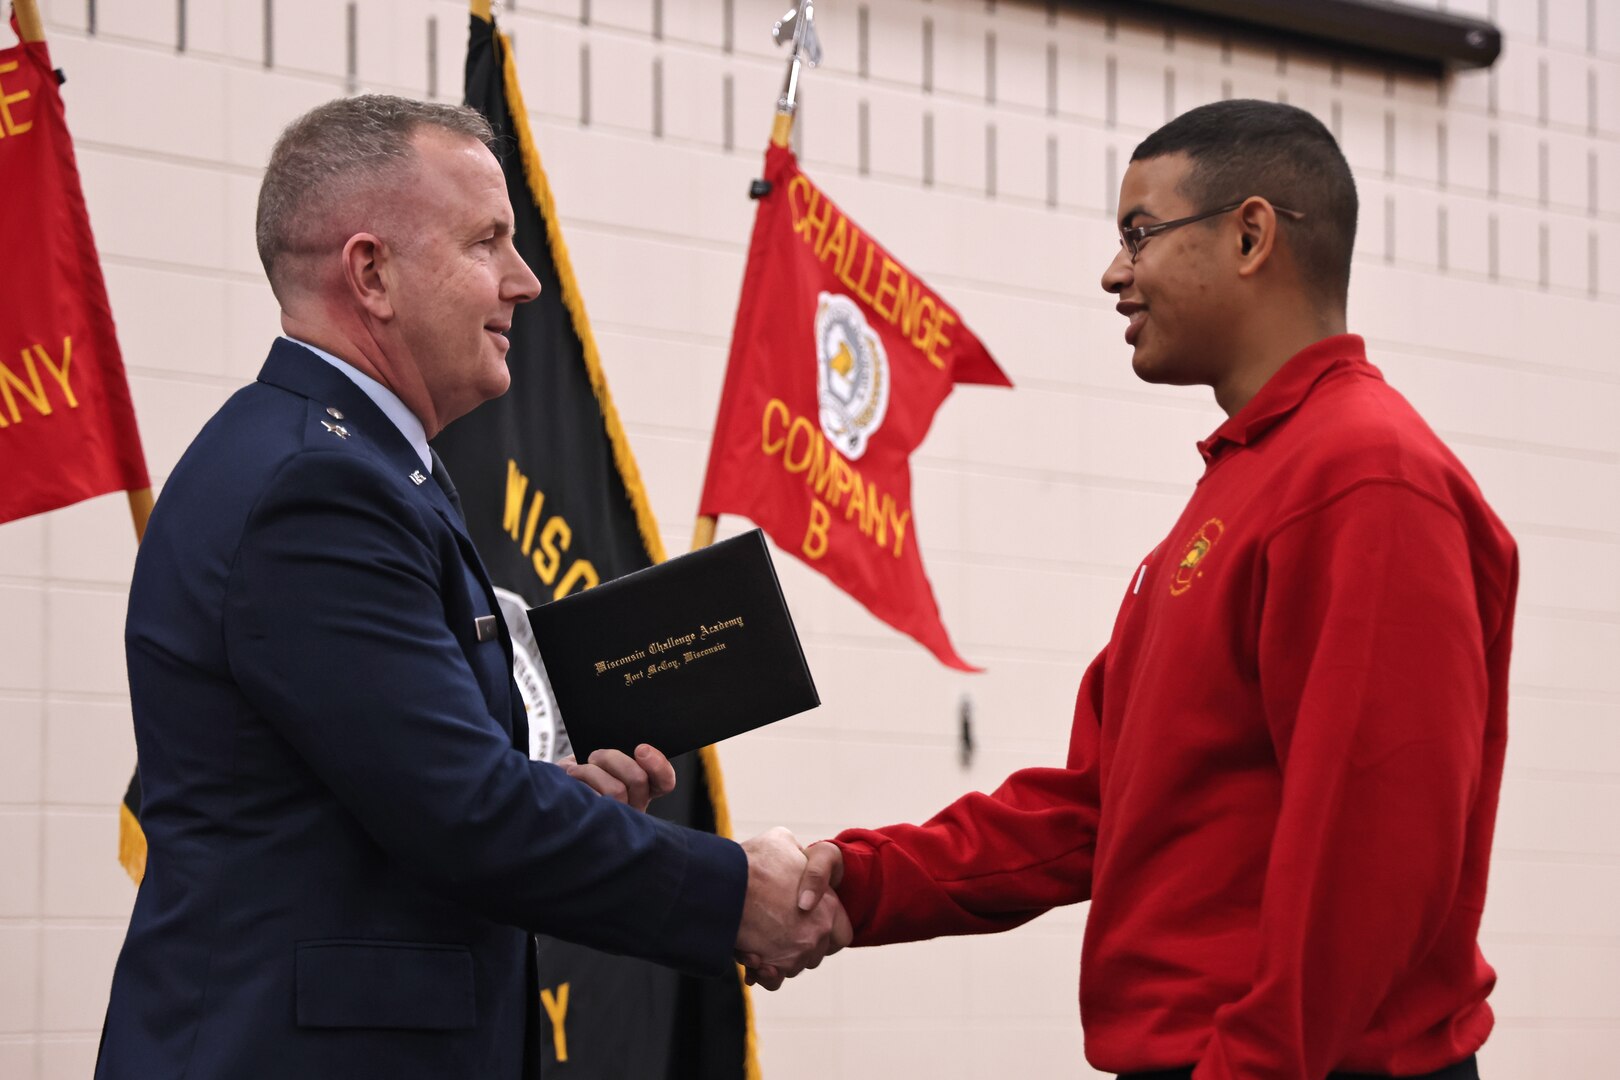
852 374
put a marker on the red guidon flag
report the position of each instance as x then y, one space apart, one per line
67 430
839 358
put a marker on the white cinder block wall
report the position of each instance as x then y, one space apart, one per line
983 142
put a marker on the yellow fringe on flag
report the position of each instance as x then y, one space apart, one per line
131 845
623 458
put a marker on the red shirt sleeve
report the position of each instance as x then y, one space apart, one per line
986 862
1372 663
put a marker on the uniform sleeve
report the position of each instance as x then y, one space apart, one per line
986 862
1372 668
336 632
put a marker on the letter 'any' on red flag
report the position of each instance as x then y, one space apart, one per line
67 429
839 359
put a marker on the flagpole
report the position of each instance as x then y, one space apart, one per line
140 508
28 21
787 105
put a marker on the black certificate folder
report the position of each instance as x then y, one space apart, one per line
679 655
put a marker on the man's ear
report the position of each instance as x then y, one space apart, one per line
1257 235
363 259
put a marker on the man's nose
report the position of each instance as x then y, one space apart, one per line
521 284
1119 272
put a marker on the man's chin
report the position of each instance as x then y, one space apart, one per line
497 384
490 385
1144 365
1161 370
496 377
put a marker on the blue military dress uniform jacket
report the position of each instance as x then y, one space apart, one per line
348 844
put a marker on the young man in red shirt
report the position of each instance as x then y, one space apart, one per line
1283 773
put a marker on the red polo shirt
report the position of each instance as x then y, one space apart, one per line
1283 773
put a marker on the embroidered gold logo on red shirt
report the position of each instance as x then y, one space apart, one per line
1197 550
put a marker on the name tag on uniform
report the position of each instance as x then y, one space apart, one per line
485 627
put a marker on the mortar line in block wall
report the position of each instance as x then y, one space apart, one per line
1544 611
1558 858
48 583
433 57
1592 265
1510 1022
1560 532
110 588
1490 938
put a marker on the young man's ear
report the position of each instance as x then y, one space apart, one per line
1257 234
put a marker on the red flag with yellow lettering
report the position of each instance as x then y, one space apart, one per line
67 429
839 359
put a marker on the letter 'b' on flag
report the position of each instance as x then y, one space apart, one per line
839 359
67 429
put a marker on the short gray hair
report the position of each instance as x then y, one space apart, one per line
336 150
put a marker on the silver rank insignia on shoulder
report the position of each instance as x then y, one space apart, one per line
417 478
337 429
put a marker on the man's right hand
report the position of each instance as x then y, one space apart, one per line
778 938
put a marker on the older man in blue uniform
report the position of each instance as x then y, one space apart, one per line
348 844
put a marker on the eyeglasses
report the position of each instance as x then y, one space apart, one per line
1133 239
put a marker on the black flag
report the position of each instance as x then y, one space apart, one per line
554 503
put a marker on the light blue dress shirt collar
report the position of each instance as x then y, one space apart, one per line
384 398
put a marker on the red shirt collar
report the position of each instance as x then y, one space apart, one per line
1285 390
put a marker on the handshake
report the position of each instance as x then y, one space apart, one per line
792 918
